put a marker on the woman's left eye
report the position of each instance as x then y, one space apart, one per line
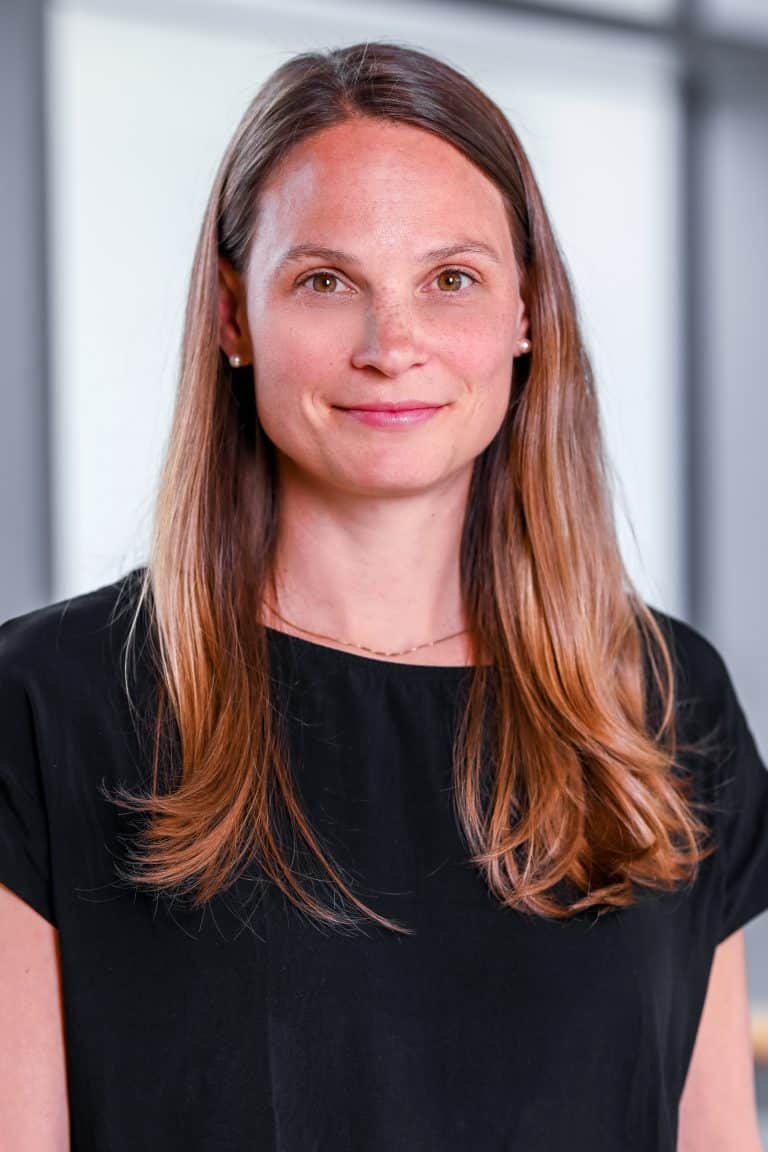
453 274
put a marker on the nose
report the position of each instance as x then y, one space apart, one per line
390 340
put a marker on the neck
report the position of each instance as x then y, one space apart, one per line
383 573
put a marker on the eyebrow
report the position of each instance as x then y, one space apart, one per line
300 251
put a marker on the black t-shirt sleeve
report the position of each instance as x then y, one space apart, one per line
730 777
24 833
742 816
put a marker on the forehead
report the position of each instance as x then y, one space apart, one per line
379 180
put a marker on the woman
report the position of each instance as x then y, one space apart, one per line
377 811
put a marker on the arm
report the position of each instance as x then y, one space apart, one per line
718 1112
34 1111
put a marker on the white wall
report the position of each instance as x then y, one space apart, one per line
141 107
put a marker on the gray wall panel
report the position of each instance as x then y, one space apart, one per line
24 441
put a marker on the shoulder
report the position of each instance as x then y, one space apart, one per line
702 680
64 710
65 639
64 730
731 776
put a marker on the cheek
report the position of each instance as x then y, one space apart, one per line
296 354
483 355
293 369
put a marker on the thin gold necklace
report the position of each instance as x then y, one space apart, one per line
352 644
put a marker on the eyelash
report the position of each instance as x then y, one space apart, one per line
323 272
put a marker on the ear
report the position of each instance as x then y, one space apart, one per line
234 337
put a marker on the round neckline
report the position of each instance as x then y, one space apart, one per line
336 658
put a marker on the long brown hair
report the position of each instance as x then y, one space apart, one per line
563 770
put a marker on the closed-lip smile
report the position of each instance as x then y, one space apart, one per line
393 414
389 406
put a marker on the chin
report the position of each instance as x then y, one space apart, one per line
396 480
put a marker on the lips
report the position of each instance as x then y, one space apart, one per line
404 414
382 406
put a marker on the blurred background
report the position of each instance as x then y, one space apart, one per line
647 125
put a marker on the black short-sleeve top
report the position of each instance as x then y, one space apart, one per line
487 1029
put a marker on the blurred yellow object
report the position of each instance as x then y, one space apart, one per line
759 1019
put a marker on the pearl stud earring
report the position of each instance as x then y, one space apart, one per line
235 361
525 345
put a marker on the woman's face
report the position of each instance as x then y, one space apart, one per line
415 299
